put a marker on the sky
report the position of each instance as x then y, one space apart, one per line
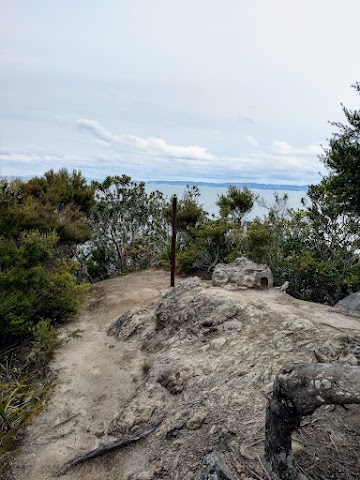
200 90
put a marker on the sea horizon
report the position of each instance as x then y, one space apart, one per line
199 183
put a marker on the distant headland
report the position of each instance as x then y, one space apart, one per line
258 186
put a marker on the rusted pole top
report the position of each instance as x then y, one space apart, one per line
173 241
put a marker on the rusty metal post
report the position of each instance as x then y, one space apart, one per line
173 241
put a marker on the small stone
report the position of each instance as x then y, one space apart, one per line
233 325
296 447
196 421
204 348
177 444
213 430
172 381
157 467
218 342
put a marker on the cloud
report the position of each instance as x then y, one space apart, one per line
150 145
36 161
152 158
282 147
29 156
251 141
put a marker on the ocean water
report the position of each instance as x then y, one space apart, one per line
209 196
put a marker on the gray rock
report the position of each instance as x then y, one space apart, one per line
214 468
130 323
196 421
242 273
195 305
173 381
349 305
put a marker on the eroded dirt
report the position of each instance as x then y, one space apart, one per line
209 385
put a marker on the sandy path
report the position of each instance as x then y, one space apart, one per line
92 378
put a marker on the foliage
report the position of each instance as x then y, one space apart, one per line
128 228
35 285
188 213
313 248
236 203
45 340
203 241
342 157
257 240
146 367
55 202
23 385
39 219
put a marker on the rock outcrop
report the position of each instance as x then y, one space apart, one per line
185 377
349 305
242 273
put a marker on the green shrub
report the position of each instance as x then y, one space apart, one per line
34 284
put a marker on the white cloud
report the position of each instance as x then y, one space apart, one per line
29 156
251 141
281 146
150 145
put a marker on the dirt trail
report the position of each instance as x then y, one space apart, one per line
93 378
98 377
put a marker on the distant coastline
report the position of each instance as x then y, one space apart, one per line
250 185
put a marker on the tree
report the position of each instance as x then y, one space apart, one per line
189 212
342 158
202 242
128 228
314 248
235 203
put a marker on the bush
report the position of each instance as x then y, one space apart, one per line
128 228
34 284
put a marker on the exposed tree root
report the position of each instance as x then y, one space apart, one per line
298 391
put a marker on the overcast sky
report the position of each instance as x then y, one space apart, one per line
208 90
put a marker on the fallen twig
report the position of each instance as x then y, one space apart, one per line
122 442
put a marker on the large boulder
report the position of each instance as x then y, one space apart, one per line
243 273
349 305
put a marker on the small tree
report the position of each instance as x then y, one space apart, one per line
236 203
204 242
342 157
128 228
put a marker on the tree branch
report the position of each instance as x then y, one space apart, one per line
108 447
